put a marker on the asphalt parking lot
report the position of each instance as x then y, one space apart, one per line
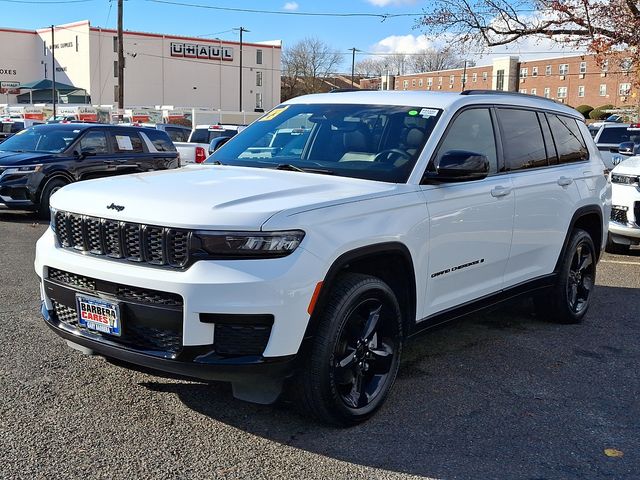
498 395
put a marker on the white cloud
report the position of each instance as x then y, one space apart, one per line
384 3
291 6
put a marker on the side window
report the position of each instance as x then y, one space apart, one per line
568 139
127 142
177 134
472 131
94 141
522 141
160 140
552 154
200 135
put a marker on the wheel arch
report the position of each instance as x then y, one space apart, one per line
588 218
389 261
67 177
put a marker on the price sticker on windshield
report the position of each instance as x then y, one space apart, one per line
273 114
428 112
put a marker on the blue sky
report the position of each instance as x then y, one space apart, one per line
341 33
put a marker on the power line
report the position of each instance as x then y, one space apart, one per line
43 2
382 16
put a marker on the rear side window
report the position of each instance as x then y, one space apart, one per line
200 135
617 135
570 145
127 142
95 142
522 140
160 140
16 127
177 134
472 131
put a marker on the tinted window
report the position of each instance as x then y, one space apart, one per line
160 140
617 135
552 154
522 139
17 126
94 141
568 139
472 131
200 135
177 134
127 142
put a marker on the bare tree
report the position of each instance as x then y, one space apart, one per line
305 65
372 67
431 60
604 26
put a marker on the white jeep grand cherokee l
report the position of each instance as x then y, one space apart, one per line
389 213
624 226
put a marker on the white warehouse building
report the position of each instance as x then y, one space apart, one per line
160 69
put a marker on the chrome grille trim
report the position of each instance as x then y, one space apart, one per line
134 242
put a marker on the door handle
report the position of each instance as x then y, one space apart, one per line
565 181
500 191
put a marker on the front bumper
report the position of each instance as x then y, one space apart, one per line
19 190
625 213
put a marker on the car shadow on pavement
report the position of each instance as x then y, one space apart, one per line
500 394
21 217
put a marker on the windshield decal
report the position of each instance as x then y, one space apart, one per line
273 114
428 112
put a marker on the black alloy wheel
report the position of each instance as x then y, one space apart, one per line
569 298
353 360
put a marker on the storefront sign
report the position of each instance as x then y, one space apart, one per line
10 85
209 52
8 71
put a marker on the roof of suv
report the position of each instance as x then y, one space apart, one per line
443 100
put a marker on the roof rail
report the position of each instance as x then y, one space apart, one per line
501 92
344 90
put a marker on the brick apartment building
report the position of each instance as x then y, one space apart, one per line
575 80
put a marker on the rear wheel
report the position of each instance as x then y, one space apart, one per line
353 361
616 248
570 297
49 189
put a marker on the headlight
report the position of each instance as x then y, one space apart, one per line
24 169
225 245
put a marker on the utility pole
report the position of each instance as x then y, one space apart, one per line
464 75
353 63
53 71
242 30
120 63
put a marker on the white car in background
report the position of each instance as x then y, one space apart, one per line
624 226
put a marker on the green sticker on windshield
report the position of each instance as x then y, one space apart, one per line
413 113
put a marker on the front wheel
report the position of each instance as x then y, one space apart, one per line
570 297
49 189
354 359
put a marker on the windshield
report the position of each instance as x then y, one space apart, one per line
617 135
374 142
40 139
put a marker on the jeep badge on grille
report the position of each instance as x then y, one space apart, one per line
117 208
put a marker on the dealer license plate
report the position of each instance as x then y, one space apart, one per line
99 315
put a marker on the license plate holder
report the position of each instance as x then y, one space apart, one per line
99 315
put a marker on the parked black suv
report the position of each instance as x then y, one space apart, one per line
40 160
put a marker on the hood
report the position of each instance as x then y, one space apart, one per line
630 166
210 196
17 159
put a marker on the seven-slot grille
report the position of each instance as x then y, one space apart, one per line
131 241
619 215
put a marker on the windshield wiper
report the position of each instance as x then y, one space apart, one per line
293 168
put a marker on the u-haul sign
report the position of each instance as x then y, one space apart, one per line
208 52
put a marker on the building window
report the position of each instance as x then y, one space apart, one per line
524 72
474 77
115 93
115 68
452 79
258 79
547 70
405 84
534 91
45 71
115 44
625 65
76 43
413 82
562 92
581 90
420 82
603 89
258 100
429 82
500 80
583 67
439 80
523 90
259 58
624 89
44 52
605 66
484 76
563 69
547 92
534 71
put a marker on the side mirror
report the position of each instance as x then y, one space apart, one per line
216 143
460 166
627 148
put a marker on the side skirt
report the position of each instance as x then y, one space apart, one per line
482 303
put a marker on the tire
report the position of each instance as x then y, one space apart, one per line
51 187
616 248
345 379
569 299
